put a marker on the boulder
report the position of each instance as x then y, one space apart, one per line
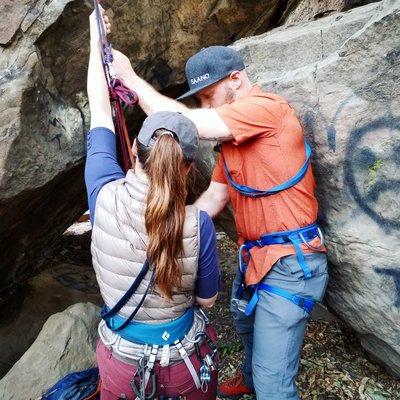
342 75
308 10
25 312
41 143
44 115
43 105
65 344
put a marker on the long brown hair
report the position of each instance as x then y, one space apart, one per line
166 170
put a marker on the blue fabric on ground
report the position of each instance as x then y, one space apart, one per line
74 386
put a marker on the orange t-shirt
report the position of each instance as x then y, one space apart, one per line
267 150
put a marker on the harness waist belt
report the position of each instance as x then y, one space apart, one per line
155 334
296 237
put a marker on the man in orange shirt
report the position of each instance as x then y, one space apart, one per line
264 170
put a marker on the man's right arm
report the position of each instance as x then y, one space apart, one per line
214 199
208 123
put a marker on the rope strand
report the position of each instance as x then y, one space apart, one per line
118 94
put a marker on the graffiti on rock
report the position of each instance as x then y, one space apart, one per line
331 129
371 170
395 274
57 122
371 161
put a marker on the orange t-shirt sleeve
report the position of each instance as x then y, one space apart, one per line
218 174
251 116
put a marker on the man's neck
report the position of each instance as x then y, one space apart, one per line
244 90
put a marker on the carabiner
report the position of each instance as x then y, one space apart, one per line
321 236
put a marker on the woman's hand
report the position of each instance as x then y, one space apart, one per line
99 102
94 30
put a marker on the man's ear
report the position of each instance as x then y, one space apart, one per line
134 147
235 80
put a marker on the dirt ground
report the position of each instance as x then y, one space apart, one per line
333 364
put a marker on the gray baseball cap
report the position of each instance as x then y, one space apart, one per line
184 130
209 66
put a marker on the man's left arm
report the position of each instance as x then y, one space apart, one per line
209 124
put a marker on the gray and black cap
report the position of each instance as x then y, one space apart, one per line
209 66
182 128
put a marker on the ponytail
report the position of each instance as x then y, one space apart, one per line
166 169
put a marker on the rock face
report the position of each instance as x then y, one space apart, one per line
45 294
342 75
308 10
41 142
65 344
43 105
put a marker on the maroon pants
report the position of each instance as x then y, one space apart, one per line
172 381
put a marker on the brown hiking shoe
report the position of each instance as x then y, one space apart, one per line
234 388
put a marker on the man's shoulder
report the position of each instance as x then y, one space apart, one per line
261 103
258 94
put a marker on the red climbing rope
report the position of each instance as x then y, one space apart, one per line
119 94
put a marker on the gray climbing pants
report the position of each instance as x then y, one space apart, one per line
273 335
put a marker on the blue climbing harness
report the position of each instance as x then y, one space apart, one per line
306 303
294 237
252 192
157 334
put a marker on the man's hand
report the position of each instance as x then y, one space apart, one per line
122 67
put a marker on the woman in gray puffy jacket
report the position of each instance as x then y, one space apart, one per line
155 258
